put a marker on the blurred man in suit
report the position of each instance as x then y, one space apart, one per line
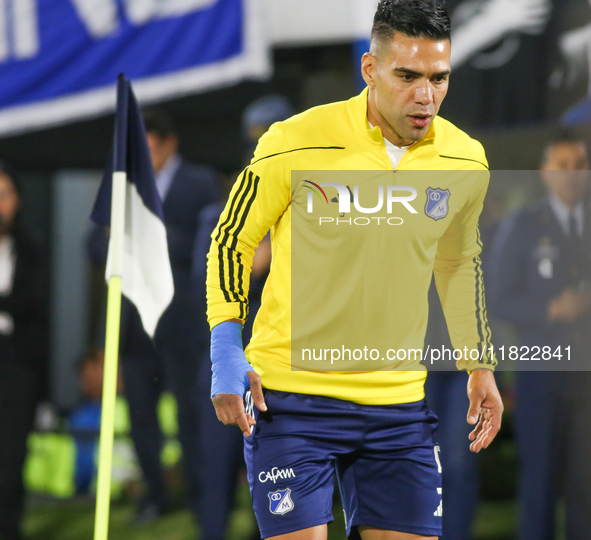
171 361
23 348
222 448
540 281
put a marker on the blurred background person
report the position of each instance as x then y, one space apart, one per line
170 362
23 348
84 420
540 280
222 447
446 394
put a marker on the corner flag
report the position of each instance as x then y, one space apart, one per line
137 263
144 266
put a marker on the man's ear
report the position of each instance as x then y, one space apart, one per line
369 66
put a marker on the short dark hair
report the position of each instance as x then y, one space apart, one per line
158 121
414 18
562 137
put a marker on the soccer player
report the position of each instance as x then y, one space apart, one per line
370 429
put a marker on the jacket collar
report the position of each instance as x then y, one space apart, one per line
358 108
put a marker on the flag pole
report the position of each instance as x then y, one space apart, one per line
103 497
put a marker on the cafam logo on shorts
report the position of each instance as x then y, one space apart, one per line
276 474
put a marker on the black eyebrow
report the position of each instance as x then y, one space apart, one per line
418 74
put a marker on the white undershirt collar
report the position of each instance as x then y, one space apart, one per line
562 213
395 153
165 176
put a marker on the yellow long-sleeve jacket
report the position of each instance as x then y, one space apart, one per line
439 236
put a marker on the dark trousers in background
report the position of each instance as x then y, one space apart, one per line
221 459
19 393
447 398
222 447
553 428
146 374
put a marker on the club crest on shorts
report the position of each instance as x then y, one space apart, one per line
437 203
280 501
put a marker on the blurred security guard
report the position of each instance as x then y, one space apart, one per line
23 349
222 447
540 281
171 361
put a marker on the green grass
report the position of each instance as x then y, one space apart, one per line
74 520
495 521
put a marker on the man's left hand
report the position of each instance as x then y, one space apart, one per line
486 409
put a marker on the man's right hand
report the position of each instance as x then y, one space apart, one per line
232 375
568 306
229 408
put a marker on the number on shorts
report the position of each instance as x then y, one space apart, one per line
436 451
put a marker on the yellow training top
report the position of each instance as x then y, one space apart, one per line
337 137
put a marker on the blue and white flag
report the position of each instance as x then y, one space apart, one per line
144 266
59 58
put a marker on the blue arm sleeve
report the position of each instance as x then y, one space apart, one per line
229 364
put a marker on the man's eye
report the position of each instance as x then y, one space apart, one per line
407 77
439 80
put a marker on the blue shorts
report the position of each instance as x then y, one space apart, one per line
384 457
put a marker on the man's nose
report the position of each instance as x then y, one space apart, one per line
424 95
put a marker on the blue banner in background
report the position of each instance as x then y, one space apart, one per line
59 59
